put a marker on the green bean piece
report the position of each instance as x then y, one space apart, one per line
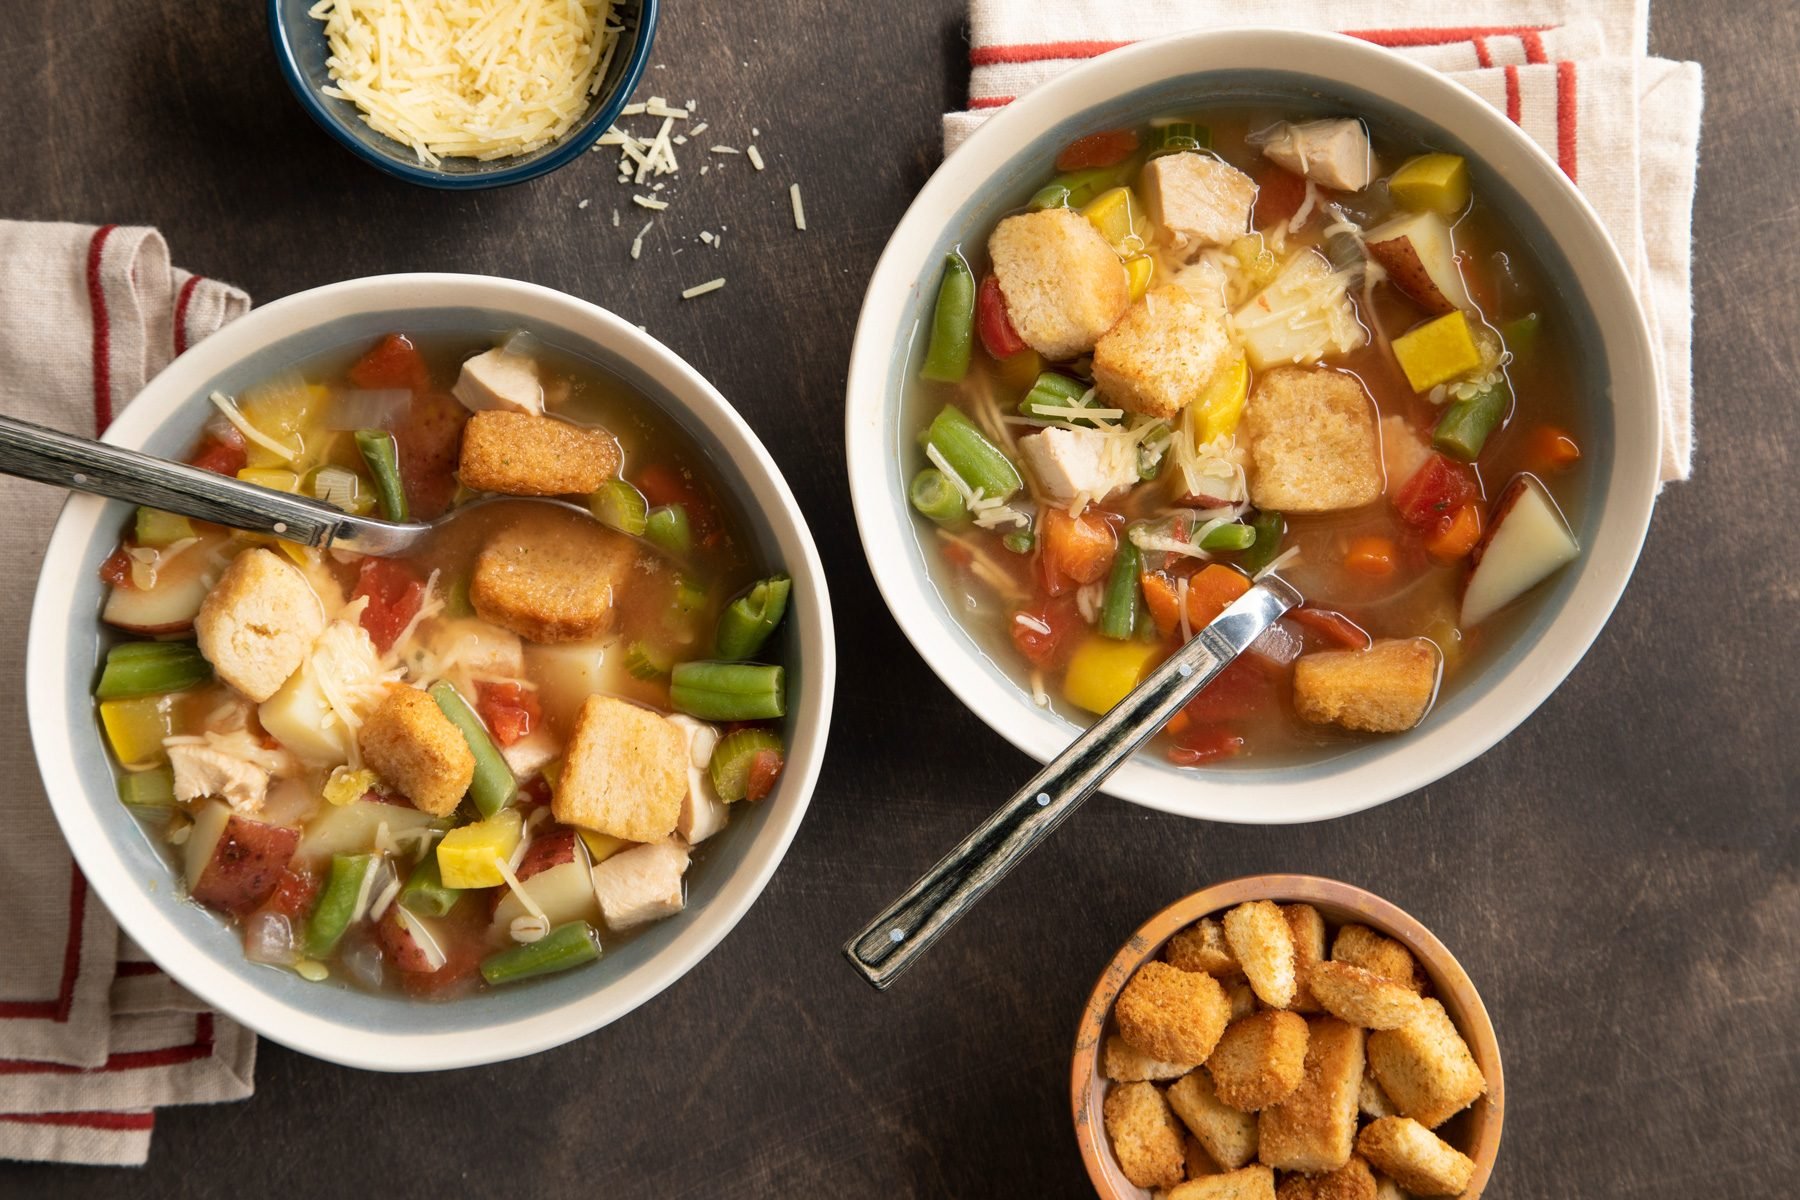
721 691
952 324
1464 428
425 893
1176 136
566 946
977 462
382 453
1229 537
621 506
644 661
1270 529
1078 187
747 622
1054 390
1020 541
493 786
148 793
1124 594
932 493
457 602
332 915
668 527
149 668
733 757
158 528
1520 335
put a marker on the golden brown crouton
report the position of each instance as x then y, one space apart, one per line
524 455
1259 1059
1199 1162
1426 1068
1418 1159
1362 947
1228 1136
1170 1014
1259 935
624 773
1246 1183
1352 1181
1242 997
1372 1102
1202 947
551 580
1313 1129
1162 353
1119 1061
1197 199
1387 1189
258 622
1387 688
1063 284
411 744
1363 997
1308 928
1145 1138
1311 436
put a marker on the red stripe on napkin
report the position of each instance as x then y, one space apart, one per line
1514 109
58 1009
103 413
129 1060
181 307
112 1121
1565 118
1428 36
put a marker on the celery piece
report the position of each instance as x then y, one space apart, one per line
644 661
157 528
617 504
668 528
494 786
1176 136
733 757
148 793
566 946
150 668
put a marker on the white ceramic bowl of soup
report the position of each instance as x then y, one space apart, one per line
1010 156
203 951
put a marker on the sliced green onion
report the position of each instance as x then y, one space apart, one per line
668 527
747 622
1464 428
1270 528
337 903
566 946
1124 594
425 892
1020 541
156 528
644 661
952 324
150 668
1176 136
623 507
382 453
493 787
733 757
932 493
965 450
719 691
1229 537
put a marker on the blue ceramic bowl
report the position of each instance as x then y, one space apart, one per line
301 50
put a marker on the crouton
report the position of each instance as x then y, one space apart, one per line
1120 1062
1197 199
1308 928
1333 153
551 581
1063 284
640 885
1170 1014
1418 1159
519 454
624 774
1162 353
258 622
1145 1138
1264 945
1313 1129
415 748
1246 1183
1363 997
1362 947
1228 1136
1352 1181
1259 1059
1387 1189
497 379
1066 463
1199 1162
202 771
1371 1101
1387 688
1242 997
1312 440
1425 1067
1202 947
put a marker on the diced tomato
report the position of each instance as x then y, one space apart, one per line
1102 149
394 363
1375 557
1037 645
1456 534
998 337
1078 548
1242 690
511 710
1337 629
765 769
1204 744
116 570
294 893
1438 488
664 484
1552 449
394 593
222 453
1279 195
534 793
429 440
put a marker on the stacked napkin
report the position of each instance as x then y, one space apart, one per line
93 1037
1573 74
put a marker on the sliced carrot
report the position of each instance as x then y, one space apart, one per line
1552 449
1161 599
1078 548
1102 149
1211 591
1456 534
1371 556
1177 723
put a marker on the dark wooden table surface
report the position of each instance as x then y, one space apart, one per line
1619 876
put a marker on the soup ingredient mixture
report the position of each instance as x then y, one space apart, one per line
480 79
1245 1056
475 764
1208 349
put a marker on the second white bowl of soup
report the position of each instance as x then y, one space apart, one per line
1178 318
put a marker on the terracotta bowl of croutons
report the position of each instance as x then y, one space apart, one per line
1286 1037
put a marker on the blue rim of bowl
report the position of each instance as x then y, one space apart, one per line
574 143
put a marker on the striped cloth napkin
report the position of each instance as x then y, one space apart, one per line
1573 74
93 1037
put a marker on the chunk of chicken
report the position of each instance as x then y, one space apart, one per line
702 812
1333 153
641 885
532 753
1197 199
202 771
1071 462
497 379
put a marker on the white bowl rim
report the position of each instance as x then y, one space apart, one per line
53 624
1353 781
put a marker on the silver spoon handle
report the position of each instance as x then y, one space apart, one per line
907 927
50 456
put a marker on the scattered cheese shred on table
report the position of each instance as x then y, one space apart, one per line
799 208
450 78
700 289
755 157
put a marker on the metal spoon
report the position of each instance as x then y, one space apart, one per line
906 928
51 456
